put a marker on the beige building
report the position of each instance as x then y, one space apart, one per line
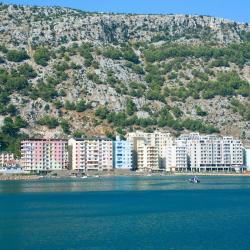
144 144
151 158
90 154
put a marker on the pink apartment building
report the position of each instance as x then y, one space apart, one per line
44 154
91 154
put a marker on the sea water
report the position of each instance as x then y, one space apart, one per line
126 213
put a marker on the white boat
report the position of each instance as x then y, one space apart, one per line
194 180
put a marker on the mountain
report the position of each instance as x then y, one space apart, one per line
66 72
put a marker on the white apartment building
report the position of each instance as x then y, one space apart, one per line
247 159
159 140
210 152
176 157
7 159
90 154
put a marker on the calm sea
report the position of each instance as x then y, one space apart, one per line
126 213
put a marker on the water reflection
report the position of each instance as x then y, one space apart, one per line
124 183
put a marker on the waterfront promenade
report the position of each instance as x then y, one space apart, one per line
71 174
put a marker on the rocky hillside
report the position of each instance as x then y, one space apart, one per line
66 72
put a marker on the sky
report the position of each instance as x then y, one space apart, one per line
236 10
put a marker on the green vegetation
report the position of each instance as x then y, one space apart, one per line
235 53
2 60
162 119
45 91
130 107
177 112
17 55
200 111
243 110
85 51
65 125
49 121
9 83
81 106
227 84
27 71
10 135
112 53
42 56
69 105
126 52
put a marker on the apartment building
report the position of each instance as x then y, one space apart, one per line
151 158
247 159
176 157
44 154
7 159
211 152
142 140
90 154
122 154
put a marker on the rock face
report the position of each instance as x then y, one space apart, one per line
112 80
33 25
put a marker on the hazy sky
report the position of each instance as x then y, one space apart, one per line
237 10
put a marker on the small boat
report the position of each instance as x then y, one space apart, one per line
194 180
84 177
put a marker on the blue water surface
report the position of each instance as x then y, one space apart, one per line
126 213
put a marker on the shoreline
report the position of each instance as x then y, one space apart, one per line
15 177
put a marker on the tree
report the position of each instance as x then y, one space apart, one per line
27 71
177 112
113 53
102 112
81 106
200 111
42 56
65 126
12 110
50 122
17 55
131 107
69 105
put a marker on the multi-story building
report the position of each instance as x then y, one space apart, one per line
44 154
141 140
151 158
176 157
210 152
90 154
247 159
122 154
7 159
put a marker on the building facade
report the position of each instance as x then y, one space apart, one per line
142 141
247 159
151 158
122 154
7 159
176 157
44 155
213 153
91 154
